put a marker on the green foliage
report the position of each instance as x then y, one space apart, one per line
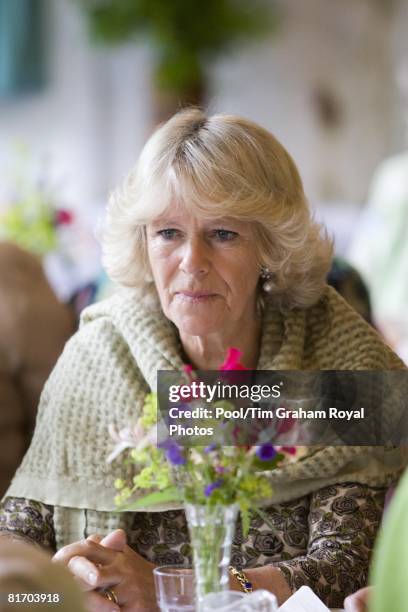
30 222
268 465
185 33
30 216
171 494
241 483
149 417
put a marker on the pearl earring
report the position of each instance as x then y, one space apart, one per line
267 277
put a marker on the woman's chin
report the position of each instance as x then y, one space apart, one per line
197 326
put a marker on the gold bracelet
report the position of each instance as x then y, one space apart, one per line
242 579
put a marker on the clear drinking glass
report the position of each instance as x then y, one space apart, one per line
174 588
234 601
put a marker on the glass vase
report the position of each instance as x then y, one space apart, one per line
211 533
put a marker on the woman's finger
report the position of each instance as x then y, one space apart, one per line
95 537
116 540
92 575
97 602
85 548
358 601
84 571
84 585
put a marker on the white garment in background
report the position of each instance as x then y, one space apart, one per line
379 250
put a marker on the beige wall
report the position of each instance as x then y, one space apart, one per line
92 120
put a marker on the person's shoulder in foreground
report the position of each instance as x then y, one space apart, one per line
389 570
30 581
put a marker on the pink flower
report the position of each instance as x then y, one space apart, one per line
235 432
290 450
232 360
188 369
285 425
63 217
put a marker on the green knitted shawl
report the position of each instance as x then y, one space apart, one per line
110 364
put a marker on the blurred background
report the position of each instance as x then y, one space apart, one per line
84 82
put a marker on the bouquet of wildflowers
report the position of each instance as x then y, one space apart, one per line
204 475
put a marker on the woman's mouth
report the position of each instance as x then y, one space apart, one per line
195 296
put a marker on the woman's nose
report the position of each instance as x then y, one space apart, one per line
195 258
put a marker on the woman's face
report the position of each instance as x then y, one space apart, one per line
206 272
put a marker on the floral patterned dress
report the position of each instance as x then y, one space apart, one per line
323 540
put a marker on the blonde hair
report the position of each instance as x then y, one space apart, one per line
220 166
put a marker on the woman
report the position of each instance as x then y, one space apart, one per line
213 237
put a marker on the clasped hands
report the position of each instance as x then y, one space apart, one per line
98 563
109 563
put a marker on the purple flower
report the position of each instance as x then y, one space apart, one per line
166 444
212 486
210 448
220 469
266 452
174 452
175 455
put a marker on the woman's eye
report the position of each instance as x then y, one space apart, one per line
168 234
224 235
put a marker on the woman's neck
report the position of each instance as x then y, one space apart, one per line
209 352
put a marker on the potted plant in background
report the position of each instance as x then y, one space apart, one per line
31 216
186 36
